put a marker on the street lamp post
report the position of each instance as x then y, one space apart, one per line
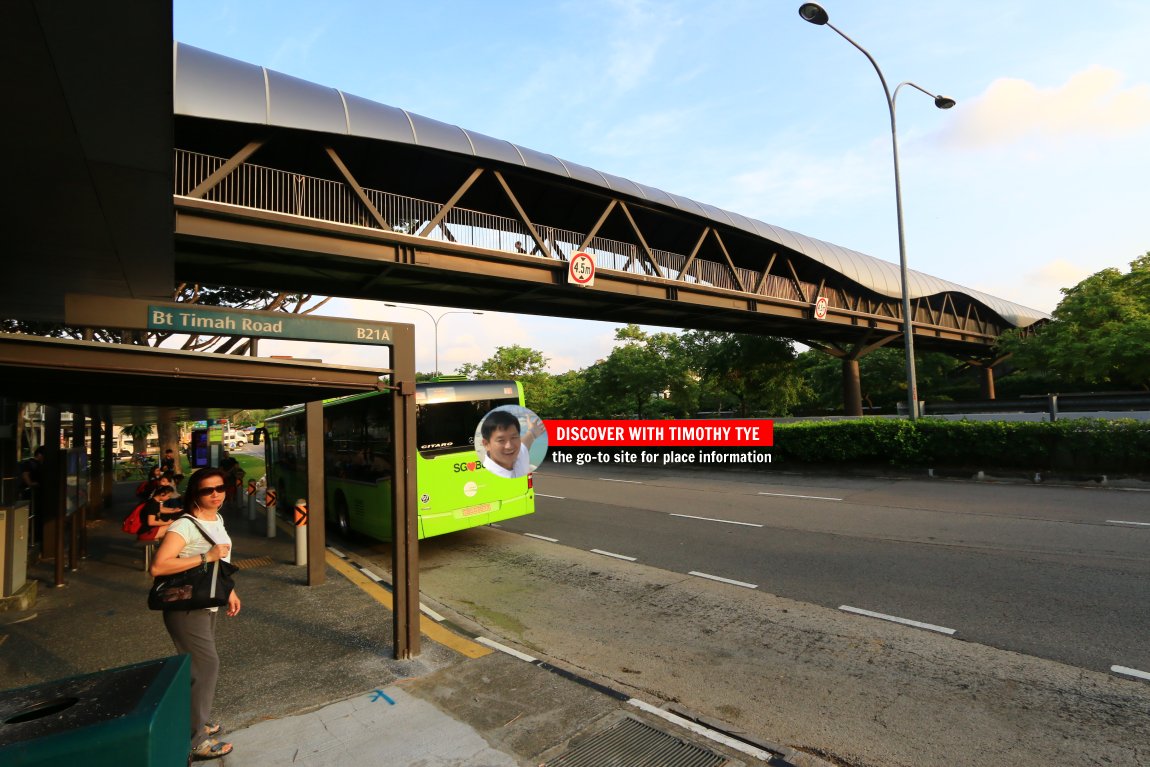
814 13
434 323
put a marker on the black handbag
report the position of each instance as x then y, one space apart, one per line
208 585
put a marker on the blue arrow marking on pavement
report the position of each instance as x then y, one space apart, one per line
381 694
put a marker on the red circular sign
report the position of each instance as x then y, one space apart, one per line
581 270
821 308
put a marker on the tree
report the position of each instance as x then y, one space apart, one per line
518 363
1099 335
646 373
757 372
508 362
882 377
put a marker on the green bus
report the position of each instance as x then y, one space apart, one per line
454 491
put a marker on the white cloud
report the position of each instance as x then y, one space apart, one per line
792 184
1092 103
641 29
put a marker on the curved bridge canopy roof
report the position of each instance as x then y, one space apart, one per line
208 85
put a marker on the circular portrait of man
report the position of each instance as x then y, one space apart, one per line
511 441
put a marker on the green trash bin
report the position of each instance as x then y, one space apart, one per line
125 717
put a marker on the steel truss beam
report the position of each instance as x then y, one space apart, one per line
952 321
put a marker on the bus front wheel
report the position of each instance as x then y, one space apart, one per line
342 517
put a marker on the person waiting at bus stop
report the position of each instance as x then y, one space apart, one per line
194 631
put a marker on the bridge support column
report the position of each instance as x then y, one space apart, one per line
852 387
986 381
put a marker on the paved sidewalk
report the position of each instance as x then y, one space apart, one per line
307 675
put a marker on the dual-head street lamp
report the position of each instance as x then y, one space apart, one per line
814 13
434 323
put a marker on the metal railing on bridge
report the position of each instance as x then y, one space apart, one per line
263 188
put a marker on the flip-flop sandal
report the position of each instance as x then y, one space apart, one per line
213 729
211 749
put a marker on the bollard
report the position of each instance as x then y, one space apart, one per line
270 505
251 500
300 518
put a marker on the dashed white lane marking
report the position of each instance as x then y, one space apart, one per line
430 613
1122 522
1130 672
894 619
698 729
609 554
624 481
808 497
542 537
711 519
504 648
744 584
556 497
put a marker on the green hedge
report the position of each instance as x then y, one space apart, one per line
1086 445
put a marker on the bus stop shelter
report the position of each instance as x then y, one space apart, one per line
116 383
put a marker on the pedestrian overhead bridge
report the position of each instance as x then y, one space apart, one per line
282 183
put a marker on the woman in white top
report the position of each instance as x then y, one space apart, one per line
194 631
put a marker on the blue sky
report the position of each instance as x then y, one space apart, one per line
1033 181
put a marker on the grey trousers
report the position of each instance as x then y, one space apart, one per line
194 632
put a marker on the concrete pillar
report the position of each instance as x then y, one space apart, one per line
852 387
986 379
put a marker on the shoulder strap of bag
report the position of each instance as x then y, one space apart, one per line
203 532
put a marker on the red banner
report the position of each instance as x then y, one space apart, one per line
695 433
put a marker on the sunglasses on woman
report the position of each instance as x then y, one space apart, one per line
205 491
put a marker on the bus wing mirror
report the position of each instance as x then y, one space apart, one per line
258 434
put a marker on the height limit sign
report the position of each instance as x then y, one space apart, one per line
581 270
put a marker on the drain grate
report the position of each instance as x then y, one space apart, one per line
631 743
248 564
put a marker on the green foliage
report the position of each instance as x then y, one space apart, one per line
139 433
1099 335
758 373
1084 445
882 375
508 362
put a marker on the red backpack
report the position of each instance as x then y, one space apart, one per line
133 523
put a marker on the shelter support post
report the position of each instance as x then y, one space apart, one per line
405 521
316 564
77 527
52 493
96 466
109 475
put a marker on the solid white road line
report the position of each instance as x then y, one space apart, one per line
556 497
892 618
723 580
808 497
624 481
711 519
1130 672
542 537
504 648
609 554
706 732
1121 522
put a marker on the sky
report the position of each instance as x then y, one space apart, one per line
1033 181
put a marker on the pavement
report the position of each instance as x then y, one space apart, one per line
307 675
